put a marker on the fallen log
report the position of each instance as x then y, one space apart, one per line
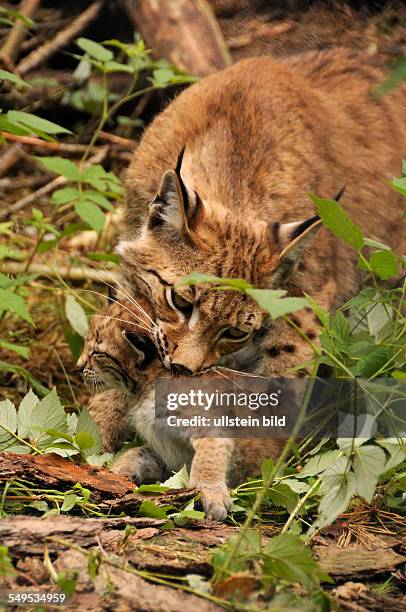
184 31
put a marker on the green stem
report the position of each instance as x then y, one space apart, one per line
268 481
21 440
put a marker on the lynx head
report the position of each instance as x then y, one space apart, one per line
197 325
119 351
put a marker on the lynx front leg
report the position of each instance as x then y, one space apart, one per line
140 465
209 474
110 411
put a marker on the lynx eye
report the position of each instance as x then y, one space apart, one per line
178 302
235 334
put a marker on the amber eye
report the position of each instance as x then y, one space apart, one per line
235 334
178 302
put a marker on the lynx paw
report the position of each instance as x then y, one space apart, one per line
139 465
216 500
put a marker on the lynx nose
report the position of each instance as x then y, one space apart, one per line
179 370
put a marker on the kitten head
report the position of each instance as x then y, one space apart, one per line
197 325
119 352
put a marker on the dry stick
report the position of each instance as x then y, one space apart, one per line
73 274
9 158
44 144
38 56
49 187
10 48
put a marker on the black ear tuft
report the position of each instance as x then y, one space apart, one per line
144 345
111 295
299 229
179 161
340 194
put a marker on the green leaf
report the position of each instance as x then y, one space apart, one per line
7 252
151 510
12 302
8 367
100 199
397 452
198 278
65 195
372 363
36 124
267 468
162 77
69 502
282 495
318 464
47 414
274 304
383 263
91 213
76 316
94 49
16 348
62 166
369 464
25 410
287 558
8 423
84 440
87 424
104 257
336 220
5 75
179 480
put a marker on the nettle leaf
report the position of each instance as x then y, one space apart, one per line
335 501
87 424
76 316
47 414
287 558
25 411
274 303
377 317
8 423
84 440
372 363
36 124
62 166
5 75
151 510
384 264
12 302
318 463
369 464
397 452
69 502
282 495
337 221
162 77
94 49
100 199
90 213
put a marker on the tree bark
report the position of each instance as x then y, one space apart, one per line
185 32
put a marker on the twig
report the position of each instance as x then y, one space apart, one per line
13 183
73 274
118 140
11 46
9 158
49 187
44 144
38 56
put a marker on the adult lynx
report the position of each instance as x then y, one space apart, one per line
257 138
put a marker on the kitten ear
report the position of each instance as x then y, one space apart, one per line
175 205
143 346
291 239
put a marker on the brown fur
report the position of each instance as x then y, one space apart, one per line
213 462
258 138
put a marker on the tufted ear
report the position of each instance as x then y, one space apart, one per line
144 347
290 239
175 206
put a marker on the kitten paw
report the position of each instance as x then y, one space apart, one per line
139 465
216 500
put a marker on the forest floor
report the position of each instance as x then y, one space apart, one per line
123 560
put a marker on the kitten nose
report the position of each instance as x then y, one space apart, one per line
180 370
